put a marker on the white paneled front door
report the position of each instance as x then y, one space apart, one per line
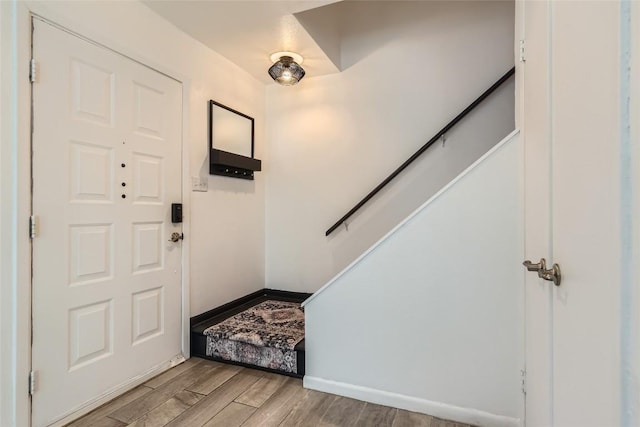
106 168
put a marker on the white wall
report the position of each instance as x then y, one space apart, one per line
430 319
226 234
409 68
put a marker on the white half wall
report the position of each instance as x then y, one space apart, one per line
430 318
408 69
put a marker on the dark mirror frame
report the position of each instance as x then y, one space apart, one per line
213 104
229 164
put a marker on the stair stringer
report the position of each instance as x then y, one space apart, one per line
430 318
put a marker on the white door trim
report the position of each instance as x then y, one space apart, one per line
15 290
15 182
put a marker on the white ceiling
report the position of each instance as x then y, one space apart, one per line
248 32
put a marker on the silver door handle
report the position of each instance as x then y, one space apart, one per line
553 274
542 265
176 237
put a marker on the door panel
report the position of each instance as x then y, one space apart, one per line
106 167
92 93
91 258
148 320
90 334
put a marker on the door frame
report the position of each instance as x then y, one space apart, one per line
15 187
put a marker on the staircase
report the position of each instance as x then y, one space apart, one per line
263 330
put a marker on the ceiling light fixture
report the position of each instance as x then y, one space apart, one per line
286 68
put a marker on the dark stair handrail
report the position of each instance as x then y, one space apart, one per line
422 149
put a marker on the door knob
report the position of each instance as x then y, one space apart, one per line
553 274
176 237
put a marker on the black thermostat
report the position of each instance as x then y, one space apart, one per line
176 212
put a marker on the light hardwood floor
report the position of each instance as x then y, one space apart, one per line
204 393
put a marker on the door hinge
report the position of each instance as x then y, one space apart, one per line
33 70
32 382
522 57
523 381
33 226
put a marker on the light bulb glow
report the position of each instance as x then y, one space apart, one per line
286 71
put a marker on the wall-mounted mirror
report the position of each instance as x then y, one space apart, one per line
230 130
231 143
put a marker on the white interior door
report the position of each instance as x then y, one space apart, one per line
571 92
106 168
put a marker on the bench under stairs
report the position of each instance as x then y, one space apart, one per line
263 330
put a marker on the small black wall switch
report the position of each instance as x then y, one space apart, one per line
176 212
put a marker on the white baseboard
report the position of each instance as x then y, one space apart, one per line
436 409
118 390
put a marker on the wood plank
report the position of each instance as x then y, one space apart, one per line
169 410
213 363
107 422
209 406
139 407
410 419
278 406
308 411
439 422
92 418
342 412
231 416
219 376
262 390
376 415
169 374
254 399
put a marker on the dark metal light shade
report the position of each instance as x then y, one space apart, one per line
286 71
